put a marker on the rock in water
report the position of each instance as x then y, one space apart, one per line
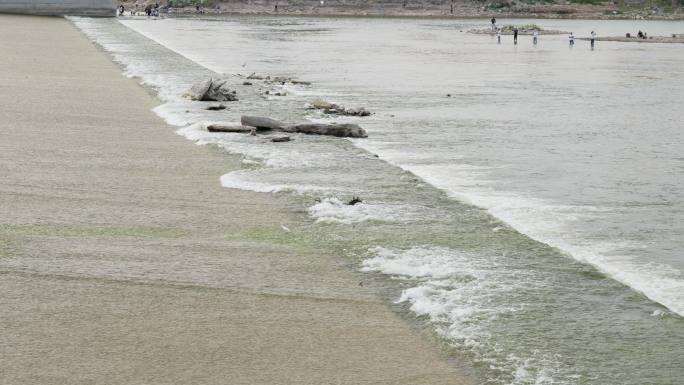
212 90
301 82
276 93
340 130
356 112
332 108
261 123
354 201
228 128
198 91
219 92
216 108
322 104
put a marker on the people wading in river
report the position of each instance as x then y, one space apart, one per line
515 35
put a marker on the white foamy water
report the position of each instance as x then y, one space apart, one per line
458 292
332 210
250 180
552 223
278 168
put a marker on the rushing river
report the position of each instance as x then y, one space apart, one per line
573 272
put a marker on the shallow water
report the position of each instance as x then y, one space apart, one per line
573 148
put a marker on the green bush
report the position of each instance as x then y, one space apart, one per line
594 2
535 2
499 4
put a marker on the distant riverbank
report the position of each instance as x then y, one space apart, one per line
581 9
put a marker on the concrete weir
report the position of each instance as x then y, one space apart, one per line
99 8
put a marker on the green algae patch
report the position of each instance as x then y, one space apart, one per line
5 248
92 231
305 245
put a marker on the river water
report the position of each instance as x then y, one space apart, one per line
538 225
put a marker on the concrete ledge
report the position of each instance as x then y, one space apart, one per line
96 8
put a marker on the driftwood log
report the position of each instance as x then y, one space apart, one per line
228 128
261 123
340 130
281 139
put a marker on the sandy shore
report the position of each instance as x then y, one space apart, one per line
123 260
653 39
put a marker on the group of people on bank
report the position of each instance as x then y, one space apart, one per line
150 10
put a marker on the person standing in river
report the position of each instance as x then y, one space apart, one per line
515 35
571 38
493 24
535 37
593 39
498 36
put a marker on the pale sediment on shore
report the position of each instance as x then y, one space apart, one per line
653 39
522 32
124 261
